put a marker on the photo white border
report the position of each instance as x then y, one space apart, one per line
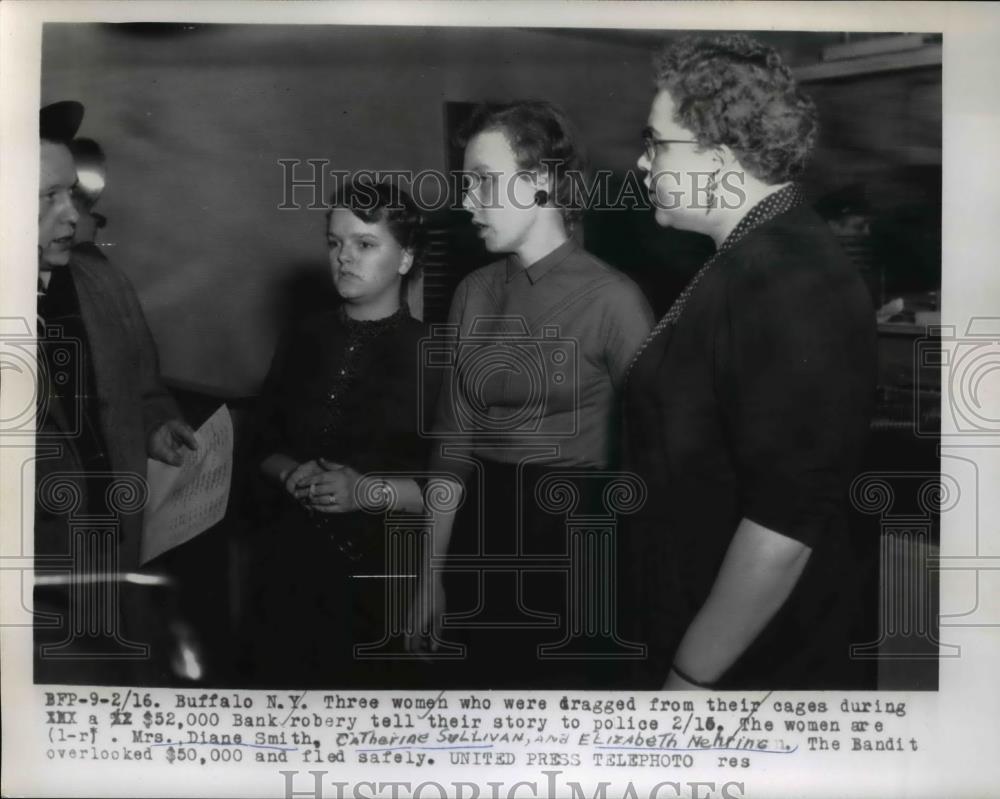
958 726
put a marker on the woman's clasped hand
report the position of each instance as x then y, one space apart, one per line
324 486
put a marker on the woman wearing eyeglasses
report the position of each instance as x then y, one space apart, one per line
527 419
747 408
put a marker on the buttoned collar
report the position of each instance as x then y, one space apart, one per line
542 266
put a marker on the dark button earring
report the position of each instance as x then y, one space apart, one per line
541 197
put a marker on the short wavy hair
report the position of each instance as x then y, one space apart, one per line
387 202
542 138
732 90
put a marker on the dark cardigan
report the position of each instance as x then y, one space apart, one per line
757 404
130 402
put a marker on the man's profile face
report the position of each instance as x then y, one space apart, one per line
57 216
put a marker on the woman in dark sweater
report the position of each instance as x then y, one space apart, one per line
747 408
342 400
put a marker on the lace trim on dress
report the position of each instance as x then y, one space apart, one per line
360 333
767 209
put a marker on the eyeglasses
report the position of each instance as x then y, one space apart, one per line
650 143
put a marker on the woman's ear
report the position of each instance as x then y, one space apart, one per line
542 181
406 264
724 158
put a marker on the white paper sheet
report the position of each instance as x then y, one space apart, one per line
186 500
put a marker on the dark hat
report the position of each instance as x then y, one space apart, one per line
60 121
845 201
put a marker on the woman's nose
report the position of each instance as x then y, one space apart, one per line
643 162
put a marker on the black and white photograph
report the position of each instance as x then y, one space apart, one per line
640 372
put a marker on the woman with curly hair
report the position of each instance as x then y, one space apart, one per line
748 405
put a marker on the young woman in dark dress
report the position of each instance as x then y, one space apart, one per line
342 400
747 409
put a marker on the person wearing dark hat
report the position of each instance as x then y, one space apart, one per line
105 408
846 210
91 178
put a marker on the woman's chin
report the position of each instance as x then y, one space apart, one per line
664 218
672 218
56 256
490 241
346 291
350 301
